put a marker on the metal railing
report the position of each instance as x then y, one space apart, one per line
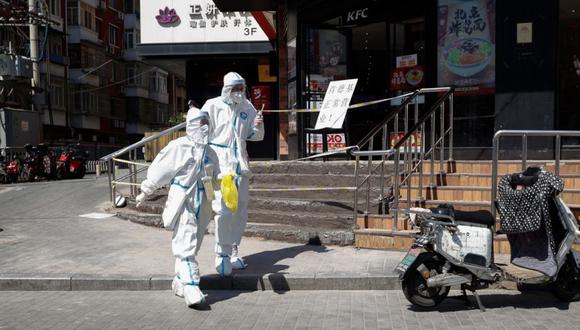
413 156
524 134
132 163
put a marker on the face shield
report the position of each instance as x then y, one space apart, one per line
197 126
234 90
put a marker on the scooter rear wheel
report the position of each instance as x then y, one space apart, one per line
567 287
415 285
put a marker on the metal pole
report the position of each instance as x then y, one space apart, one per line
494 164
558 151
433 150
408 159
33 29
382 178
442 132
370 170
355 206
524 152
451 127
422 156
406 155
113 170
396 191
110 182
416 153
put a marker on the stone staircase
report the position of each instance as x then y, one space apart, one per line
467 186
293 201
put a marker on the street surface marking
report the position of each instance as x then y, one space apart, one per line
95 215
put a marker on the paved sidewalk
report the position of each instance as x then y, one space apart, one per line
271 310
44 238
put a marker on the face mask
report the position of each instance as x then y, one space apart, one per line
238 97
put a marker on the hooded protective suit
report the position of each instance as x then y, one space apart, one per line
233 121
187 210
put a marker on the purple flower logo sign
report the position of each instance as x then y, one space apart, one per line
167 17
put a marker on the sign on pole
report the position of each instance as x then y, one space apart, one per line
335 104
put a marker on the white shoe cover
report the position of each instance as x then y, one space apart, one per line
193 295
223 265
177 287
238 263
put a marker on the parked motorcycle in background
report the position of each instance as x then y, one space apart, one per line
71 164
3 175
13 170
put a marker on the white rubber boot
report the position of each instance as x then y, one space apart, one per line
223 265
193 295
177 287
237 262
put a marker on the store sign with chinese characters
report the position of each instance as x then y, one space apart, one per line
335 103
408 74
195 21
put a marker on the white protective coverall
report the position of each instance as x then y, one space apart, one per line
187 210
233 121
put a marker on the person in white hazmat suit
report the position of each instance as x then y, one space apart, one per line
187 210
233 121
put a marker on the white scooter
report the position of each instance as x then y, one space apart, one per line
455 249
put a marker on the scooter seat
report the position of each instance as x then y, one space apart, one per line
481 217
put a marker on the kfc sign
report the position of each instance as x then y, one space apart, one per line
355 15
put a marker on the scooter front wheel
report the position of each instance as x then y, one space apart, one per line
415 286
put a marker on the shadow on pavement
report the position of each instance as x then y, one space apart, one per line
263 273
525 300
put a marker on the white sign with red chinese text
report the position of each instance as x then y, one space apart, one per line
335 103
195 21
407 61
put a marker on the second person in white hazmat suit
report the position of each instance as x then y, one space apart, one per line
233 121
182 164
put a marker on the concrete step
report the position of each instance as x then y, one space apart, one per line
319 180
305 192
571 181
303 219
385 222
310 167
402 240
303 205
450 193
504 166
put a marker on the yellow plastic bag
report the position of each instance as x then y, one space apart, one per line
230 192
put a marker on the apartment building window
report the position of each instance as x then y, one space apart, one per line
88 17
57 94
72 15
129 39
99 24
55 7
113 4
129 6
112 35
88 102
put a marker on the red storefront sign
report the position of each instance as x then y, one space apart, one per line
261 96
407 78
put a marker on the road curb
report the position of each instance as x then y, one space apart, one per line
238 281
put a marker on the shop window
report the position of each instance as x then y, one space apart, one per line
569 69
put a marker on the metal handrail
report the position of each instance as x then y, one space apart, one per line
371 135
413 157
524 134
112 158
143 142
